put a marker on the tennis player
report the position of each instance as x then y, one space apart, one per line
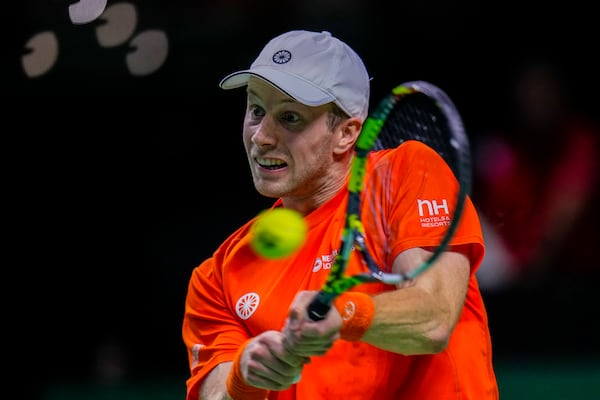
244 324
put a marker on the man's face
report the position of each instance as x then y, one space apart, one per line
289 145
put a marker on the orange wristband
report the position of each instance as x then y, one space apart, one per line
357 310
237 388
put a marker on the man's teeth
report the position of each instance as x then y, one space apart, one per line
269 162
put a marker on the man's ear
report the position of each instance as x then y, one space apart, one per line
348 132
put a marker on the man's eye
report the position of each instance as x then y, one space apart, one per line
257 111
290 117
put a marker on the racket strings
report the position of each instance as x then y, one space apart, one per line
417 117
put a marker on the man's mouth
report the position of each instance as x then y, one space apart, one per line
270 163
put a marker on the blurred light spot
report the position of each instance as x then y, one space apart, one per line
42 55
120 21
85 11
150 52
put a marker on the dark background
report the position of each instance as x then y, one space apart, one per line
116 187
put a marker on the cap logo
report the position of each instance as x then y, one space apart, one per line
282 56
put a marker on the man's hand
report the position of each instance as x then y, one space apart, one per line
268 364
304 337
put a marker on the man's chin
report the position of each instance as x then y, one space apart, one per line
268 189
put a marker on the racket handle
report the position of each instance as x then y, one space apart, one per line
319 307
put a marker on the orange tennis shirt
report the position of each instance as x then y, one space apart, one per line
235 295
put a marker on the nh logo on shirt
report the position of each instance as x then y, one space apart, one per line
433 213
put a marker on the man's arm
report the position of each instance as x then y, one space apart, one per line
420 316
417 318
213 387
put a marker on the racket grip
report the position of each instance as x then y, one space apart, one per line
319 307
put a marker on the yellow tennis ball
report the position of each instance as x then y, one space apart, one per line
278 233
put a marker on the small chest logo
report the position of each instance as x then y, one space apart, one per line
325 261
247 305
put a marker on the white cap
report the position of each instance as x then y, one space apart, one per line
314 68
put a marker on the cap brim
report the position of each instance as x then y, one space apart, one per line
295 87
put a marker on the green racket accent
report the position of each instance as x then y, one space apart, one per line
369 134
336 283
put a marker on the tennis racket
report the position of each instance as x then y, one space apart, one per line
416 110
